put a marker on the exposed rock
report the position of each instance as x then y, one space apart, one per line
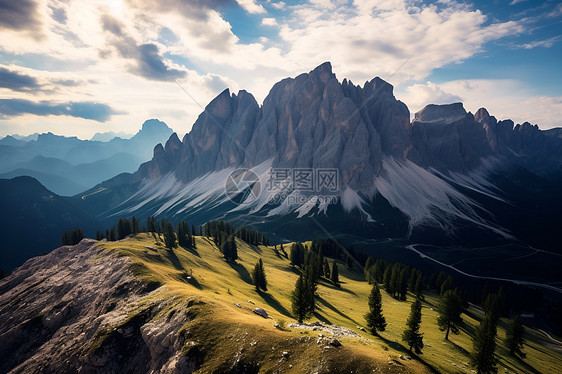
261 312
82 314
335 343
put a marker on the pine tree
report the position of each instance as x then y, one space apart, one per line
484 346
99 235
169 235
370 262
450 309
256 276
446 285
386 278
375 320
514 336
262 278
403 283
334 276
394 280
326 269
412 335
418 286
301 300
228 248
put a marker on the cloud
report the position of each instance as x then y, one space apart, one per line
151 65
546 43
21 81
17 82
514 2
418 96
20 15
269 22
87 110
251 6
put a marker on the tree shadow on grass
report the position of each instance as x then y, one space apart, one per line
174 260
193 251
274 303
459 348
400 348
329 284
331 307
241 270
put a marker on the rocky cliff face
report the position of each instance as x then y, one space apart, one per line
312 120
59 314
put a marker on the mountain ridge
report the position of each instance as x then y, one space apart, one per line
439 170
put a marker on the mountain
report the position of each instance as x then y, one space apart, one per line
449 176
68 165
109 135
33 219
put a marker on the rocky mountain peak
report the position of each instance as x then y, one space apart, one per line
323 72
446 113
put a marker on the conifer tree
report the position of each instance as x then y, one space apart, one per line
370 262
450 309
418 286
334 276
412 335
386 278
302 300
262 278
403 283
327 271
99 235
514 336
256 276
375 320
169 235
484 346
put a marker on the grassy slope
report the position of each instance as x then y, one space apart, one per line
221 285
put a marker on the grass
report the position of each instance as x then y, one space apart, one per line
219 285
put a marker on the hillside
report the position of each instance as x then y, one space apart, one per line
90 304
33 219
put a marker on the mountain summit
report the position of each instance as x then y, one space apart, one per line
445 170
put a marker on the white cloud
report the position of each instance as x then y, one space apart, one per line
546 43
417 96
514 2
269 22
251 6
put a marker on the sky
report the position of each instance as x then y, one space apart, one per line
78 67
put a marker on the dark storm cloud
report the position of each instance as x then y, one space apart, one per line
17 82
149 63
20 15
87 110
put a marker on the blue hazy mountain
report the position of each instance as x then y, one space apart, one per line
68 165
33 219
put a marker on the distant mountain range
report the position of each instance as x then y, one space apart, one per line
446 177
68 165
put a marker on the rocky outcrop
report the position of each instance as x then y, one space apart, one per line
448 138
78 309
